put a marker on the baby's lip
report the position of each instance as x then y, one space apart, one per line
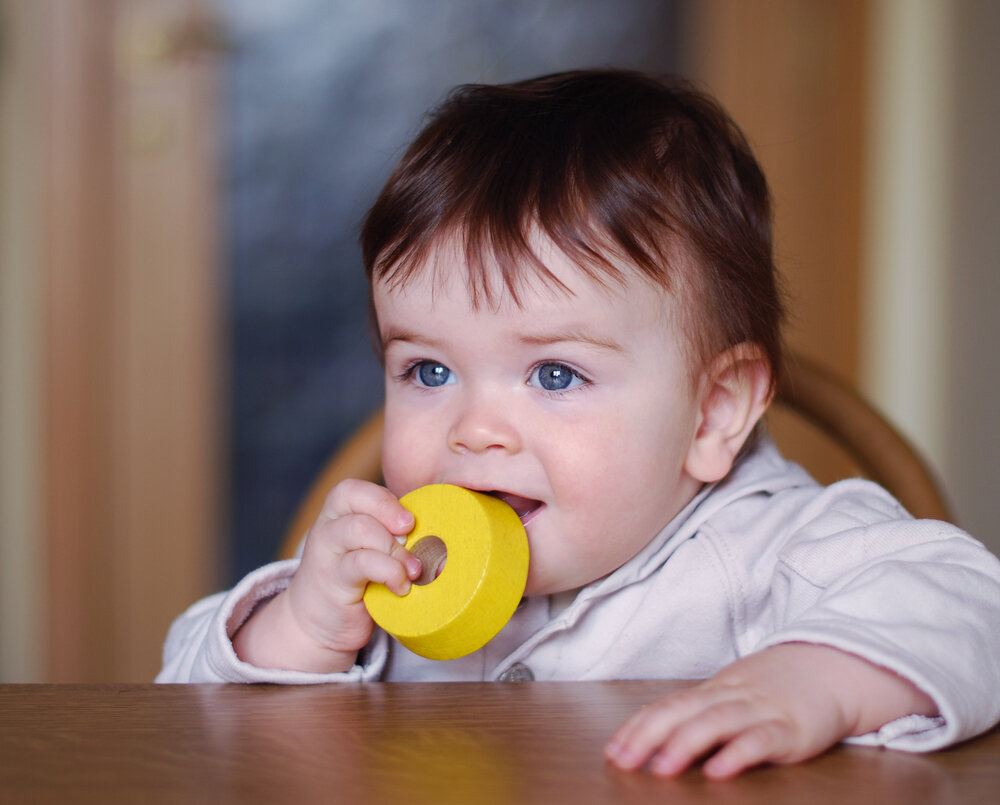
524 507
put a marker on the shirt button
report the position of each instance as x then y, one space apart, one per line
518 672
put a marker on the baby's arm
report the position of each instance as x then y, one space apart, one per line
784 704
319 622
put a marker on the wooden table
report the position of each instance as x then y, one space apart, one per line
406 743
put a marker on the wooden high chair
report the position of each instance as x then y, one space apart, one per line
806 390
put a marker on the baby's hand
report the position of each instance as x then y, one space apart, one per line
782 705
319 622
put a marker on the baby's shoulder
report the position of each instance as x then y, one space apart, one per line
821 532
770 498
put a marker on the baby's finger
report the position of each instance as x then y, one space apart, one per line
358 532
647 729
352 496
361 566
767 741
701 733
341 556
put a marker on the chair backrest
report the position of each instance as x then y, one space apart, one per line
871 441
360 456
807 390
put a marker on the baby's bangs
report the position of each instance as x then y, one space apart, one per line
500 260
497 235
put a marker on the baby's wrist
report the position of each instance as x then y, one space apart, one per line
866 695
273 638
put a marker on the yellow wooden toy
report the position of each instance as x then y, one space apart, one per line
475 555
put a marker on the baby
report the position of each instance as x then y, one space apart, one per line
577 310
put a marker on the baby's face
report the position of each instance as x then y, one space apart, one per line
576 407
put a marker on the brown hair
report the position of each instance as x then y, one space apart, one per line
609 164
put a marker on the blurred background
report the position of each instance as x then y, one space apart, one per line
183 334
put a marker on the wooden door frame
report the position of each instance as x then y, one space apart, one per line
132 383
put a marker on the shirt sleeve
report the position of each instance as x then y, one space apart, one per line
918 597
199 645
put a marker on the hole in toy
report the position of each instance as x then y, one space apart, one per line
432 553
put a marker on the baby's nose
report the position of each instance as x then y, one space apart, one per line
484 425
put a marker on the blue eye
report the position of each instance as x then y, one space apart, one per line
555 377
433 374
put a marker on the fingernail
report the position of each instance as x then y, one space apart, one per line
664 765
620 755
413 567
716 768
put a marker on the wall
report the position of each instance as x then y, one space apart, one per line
930 325
110 423
21 545
971 449
793 76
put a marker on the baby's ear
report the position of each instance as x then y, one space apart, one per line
734 392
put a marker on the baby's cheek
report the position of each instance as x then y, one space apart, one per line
398 468
397 477
597 482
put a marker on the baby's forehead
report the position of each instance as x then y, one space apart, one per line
549 292
567 300
501 279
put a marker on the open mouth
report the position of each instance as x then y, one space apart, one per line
526 508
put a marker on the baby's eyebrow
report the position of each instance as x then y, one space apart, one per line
400 335
393 334
571 337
